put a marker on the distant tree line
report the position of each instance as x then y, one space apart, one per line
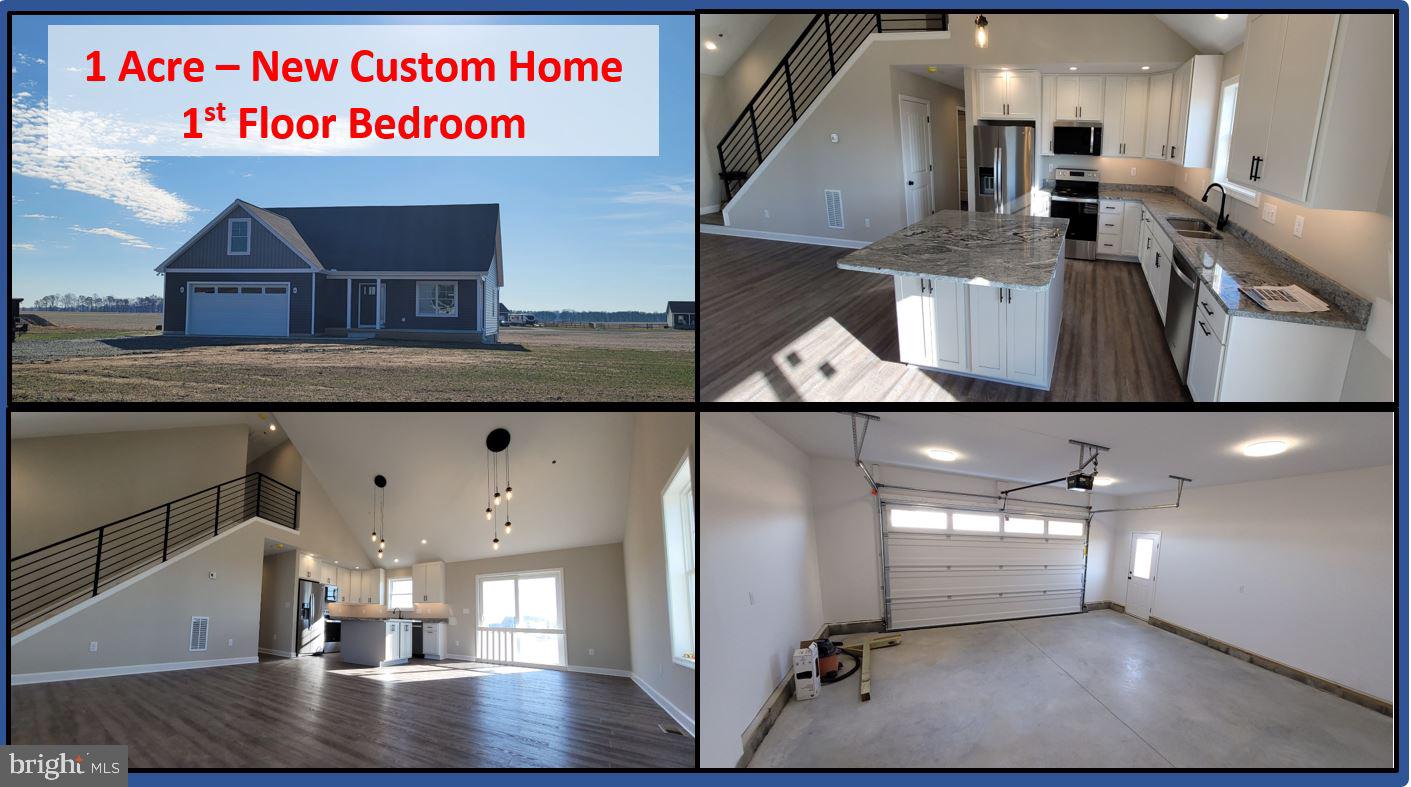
571 315
69 302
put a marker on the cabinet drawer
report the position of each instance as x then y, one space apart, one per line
1109 245
1212 313
1109 225
1110 207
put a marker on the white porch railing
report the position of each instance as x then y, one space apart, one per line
498 645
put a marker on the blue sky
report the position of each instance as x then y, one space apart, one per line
578 233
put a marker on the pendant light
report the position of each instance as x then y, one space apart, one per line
982 32
497 443
379 496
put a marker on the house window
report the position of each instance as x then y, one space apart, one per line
520 618
1229 95
678 510
399 593
436 299
237 237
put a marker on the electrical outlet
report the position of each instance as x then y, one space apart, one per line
1134 172
230 643
93 647
1298 226
833 137
766 213
457 643
465 611
590 651
867 222
1271 212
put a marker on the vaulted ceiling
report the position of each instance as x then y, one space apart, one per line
1209 34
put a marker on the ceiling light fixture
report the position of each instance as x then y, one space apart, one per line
497 444
1072 68
1104 480
1146 68
1260 448
982 33
1222 17
711 45
942 454
273 428
423 541
396 560
379 512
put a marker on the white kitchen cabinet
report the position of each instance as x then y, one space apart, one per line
1119 225
1124 116
1009 334
1158 116
1049 113
1156 263
931 322
1192 111
433 639
1079 98
308 566
1131 228
373 584
429 582
328 573
345 581
987 322
404 637
1008 95
1207 356
1314 122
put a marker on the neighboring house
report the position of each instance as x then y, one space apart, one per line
681 314
406 271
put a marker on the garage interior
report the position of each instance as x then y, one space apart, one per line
1071 590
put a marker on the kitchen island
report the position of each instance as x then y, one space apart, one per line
977 294
377 642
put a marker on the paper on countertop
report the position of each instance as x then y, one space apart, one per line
1291 298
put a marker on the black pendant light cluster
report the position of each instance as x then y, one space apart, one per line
497 453
379 512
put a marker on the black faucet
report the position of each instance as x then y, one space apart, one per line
1222 217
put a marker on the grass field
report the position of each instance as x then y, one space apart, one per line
529 364
90 325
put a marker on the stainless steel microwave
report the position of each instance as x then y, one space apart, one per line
1077 138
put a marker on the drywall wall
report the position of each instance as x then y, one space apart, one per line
944 101
282 463
149 621
866 163
594 597
709 188
743 80
659 440
60 486
279 581
845 521
1300 570
760 590
322 530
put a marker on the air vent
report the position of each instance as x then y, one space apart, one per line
833 198
200 627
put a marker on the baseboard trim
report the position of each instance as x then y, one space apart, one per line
856 627
272 652
1322 684
684 719
134 669
785 237
763 721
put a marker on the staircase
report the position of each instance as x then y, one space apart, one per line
821 49
48 580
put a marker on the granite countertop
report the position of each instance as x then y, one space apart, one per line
346 619
1005 251
1232 262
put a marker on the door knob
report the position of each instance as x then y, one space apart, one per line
909 183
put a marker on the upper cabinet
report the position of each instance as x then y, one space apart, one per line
308 566
1193 110
1079 98
1158 117
1124 116
429 582
1012 95
1314 118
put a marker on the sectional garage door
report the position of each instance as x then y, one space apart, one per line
252 309
943 567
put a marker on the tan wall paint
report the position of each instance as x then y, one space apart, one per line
866 163
282 463
707 162
279 581
1150 172
744 78
659 441
944 134
322 530
594 597
149 622
60 486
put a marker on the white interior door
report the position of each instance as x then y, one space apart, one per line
1141 573
916 158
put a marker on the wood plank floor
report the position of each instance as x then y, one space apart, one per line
781 323
323 713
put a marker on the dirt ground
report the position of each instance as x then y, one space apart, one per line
529 364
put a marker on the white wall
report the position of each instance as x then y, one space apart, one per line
658 442
759 573
1300 570
708 183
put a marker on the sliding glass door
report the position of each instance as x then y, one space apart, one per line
520 618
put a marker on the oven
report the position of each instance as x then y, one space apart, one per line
1081 213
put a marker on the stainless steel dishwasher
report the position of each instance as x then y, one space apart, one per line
1180 311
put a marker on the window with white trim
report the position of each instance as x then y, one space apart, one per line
436 299
237 236
678 509
399 593
1224 131
519 617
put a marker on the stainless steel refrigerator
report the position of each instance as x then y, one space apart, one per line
1004 166
309 626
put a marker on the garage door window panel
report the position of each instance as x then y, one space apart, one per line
1024 526
976 523
1065 527
917 519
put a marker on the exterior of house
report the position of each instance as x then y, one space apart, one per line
408 271
681 314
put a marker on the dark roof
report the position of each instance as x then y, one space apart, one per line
285 231
681 307
393 238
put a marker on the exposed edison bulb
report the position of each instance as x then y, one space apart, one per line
488 513
508 525
509 493
497 498
382 545
495 544
374 535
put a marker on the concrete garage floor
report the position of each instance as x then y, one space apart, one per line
1097 690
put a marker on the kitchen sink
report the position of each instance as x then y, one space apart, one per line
1195 225
1199 234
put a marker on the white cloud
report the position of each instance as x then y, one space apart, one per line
39 216
101 171
126 239
23 247
668 191
72 69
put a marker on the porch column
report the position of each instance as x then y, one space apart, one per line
350 305
379 302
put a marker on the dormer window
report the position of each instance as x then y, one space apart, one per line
237 236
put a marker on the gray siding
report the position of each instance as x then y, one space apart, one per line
332 303
401 307
300 295
267 251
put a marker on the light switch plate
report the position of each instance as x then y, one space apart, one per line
93 647
1134 172
1298 226
1271 212
833 137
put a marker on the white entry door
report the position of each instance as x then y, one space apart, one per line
916 158
1141 573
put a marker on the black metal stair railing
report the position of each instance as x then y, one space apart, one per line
821 49
52 578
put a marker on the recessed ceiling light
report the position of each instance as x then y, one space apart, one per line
711 46
942 454
1104 480
1264 448
423 541
396 560
272 427
1072 68
1146 68
335 562
1222 17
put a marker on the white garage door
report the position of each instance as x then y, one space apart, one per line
238 310
943 566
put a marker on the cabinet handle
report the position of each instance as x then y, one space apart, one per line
1258 167
1163 151
1203 328
1208 310
1148 243
1158 259
1173 151
1251 168
1000 291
